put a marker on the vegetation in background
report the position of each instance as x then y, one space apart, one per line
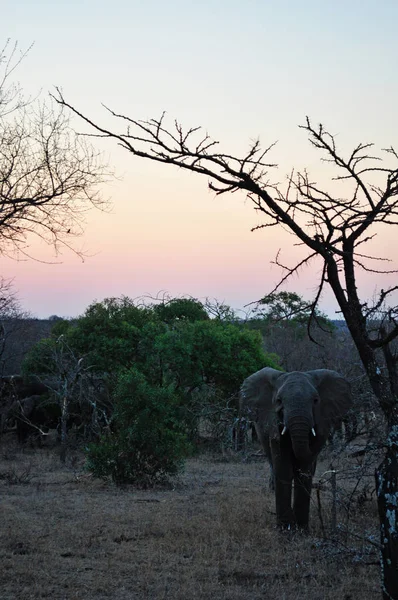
289 308
166 368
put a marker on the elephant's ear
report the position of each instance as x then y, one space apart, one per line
257 391
334 394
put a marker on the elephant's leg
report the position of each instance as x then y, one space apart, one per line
268 454
283 478
302 494
263 436
271 480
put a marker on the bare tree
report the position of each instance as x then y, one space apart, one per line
49 175
334 227
67 377
66 370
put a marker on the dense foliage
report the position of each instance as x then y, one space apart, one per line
147 443
288 310
166 367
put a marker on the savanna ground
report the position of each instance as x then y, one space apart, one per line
65 535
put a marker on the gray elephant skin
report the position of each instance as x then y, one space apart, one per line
26 404
293 414
34 415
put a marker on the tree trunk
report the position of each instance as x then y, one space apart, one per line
385 389
387 501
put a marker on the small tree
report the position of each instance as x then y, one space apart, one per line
55 362
334 226
283 319
48 174
147 443
221 311
181 309
286 308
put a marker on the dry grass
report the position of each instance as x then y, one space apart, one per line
68 536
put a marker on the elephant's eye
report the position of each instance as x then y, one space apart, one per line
316 400
278 405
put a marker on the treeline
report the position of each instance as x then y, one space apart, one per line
139 381
144 385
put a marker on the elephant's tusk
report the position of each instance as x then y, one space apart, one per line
313 432
284 430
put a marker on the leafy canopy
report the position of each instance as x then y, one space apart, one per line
148 443
289 309
161 364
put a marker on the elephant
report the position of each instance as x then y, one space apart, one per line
17 406
16 386
35 414
293 414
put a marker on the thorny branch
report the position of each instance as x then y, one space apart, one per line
332 224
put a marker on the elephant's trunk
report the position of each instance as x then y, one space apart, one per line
300 429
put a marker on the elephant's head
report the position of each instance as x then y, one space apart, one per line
303 406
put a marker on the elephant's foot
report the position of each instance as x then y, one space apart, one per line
301 511
286 527
286 521
303 528
293 528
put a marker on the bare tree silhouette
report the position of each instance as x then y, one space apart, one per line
334 227
49 175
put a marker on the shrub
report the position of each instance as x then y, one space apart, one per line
147 444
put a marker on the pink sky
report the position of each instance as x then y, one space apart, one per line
240 71
180 239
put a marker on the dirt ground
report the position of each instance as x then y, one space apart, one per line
65 536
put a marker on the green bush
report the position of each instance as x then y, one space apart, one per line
187 310
153 375
148 443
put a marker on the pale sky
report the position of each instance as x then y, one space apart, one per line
239 69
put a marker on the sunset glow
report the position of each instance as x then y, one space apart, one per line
240 71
